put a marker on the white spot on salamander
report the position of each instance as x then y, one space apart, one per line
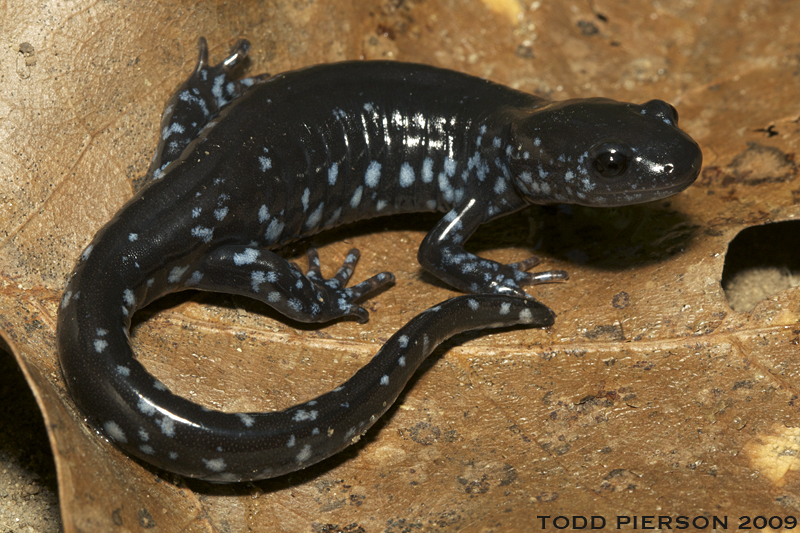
302 415
263 214
115 432
100 345
194 279
356 199
265 163
128 297
274 230
215 465
505 308
427 170
133 236
203 233
246 419
248 257
304 455
295 305
146 407
373 174
220 213
445 187
384 380
167 426
291 442
315 217
333 172
176 274
123 371
173 128
449 167
406 175
146 449
256 279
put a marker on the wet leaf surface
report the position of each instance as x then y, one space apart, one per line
649 396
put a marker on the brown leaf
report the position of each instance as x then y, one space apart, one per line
649 396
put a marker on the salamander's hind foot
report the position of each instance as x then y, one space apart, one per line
336 299
215 83
266 276
198 101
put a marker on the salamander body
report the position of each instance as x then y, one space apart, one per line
245 166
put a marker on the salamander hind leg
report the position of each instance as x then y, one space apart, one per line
268 277
198 101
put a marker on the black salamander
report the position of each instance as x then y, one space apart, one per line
246 166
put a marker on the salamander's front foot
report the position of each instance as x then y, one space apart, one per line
509 279
336 300
536 278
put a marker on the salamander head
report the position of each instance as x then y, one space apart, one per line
600 152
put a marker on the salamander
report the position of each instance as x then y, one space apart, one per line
245 166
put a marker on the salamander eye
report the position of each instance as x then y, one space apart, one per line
610 163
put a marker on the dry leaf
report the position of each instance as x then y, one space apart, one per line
649 396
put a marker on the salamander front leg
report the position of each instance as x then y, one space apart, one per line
442 253
268 277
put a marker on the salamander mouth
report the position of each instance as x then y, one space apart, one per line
622 198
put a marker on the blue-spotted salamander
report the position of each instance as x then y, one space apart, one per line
245 166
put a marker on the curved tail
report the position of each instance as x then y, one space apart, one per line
146 420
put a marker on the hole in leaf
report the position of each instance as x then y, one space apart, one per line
761 261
